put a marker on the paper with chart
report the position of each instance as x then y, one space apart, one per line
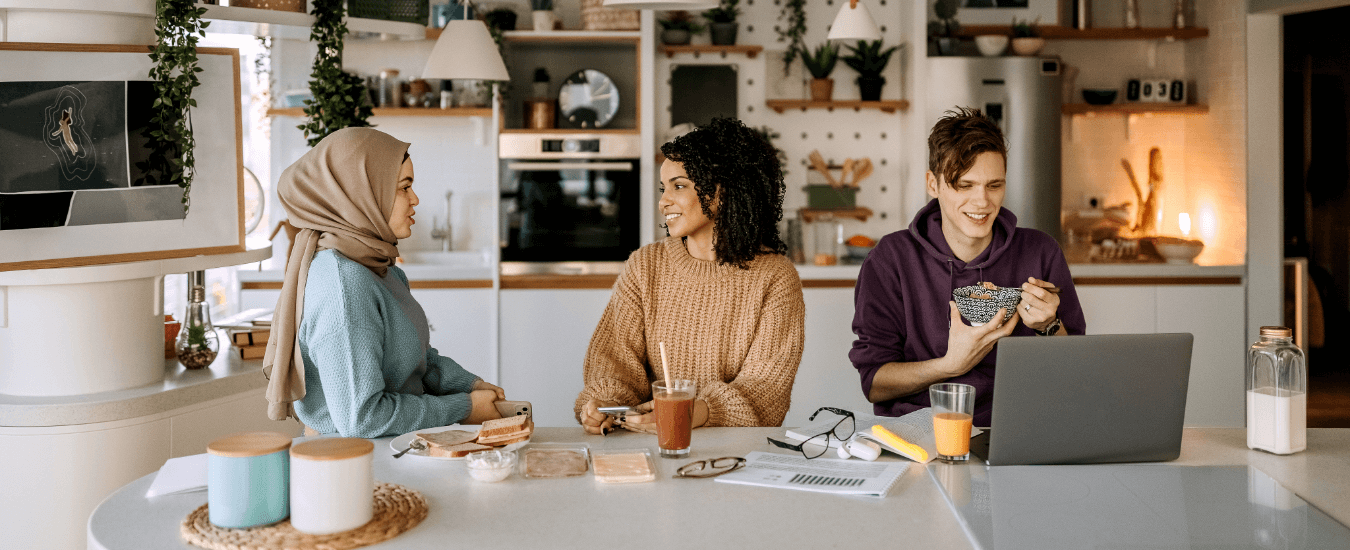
915 428
821 475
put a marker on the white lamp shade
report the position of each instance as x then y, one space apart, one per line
854 23
662 4
465 51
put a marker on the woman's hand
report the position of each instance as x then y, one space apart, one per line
482 406
967 345
483 385
594 421
646 422
1040 304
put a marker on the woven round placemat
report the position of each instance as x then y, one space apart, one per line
397 509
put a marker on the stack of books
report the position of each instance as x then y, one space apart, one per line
250 344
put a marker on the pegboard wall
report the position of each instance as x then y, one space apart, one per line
837 134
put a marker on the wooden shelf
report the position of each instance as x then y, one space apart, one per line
781 105
749 51
809 215
558 36
572 131
291 24
1134 109
390 111
1066 33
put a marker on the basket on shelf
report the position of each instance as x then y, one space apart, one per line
596 17
407 11
277 5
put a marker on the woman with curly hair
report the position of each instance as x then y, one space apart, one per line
717 291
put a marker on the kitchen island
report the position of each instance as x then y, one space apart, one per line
580 512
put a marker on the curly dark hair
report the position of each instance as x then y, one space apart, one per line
958 137
734 163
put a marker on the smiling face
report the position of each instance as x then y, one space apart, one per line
401 219
679 204
970 206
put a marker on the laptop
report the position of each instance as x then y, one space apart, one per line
1087 399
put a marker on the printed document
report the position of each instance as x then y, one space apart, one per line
821 475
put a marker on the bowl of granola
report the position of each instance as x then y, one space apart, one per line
979 303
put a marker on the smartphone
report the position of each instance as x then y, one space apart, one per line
513 408
620 411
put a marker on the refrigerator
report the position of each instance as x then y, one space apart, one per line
1022 94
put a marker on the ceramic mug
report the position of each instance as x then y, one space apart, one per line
247 478
332 487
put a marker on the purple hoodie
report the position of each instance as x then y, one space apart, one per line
901 310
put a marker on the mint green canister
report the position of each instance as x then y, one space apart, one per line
248 479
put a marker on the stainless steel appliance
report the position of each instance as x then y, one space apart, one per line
569 197
1023 95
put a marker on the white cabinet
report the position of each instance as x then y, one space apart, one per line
544 335
826 377
462 327
1214 314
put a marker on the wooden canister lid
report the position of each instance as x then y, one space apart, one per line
333 448
246 444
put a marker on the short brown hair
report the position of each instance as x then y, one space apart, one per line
960 136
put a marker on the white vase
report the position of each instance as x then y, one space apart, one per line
543 20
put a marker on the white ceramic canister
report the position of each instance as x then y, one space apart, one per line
332 487
246 479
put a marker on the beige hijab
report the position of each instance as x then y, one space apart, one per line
340 195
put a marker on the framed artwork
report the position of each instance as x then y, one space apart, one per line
1002 12
72 130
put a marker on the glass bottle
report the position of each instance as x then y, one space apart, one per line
1131 11
1277 393
197 344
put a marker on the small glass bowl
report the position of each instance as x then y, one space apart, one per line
490 466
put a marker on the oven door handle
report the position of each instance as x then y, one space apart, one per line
553 166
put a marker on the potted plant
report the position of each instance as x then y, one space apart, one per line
178 26
943 31
678 27
821 64
1027 37
340 98
869 60
542 15
792 30
722 22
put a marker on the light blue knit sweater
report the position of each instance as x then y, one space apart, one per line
369 371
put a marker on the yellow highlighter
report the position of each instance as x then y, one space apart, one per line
893 440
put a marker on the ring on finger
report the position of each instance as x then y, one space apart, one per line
1027 307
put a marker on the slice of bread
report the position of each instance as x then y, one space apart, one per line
456 451
509 438
446 438
503 426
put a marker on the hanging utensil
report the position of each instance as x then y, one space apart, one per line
862 170
818 164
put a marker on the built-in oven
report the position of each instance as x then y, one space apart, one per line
569 197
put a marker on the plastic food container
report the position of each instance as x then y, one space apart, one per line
549 460
490 466
623 465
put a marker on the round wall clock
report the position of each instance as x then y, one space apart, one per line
588 99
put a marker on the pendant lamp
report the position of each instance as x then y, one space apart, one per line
854 22
465 51
687 5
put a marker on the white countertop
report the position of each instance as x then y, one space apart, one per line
227 375
579 512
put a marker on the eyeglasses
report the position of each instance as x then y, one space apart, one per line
710 468
819 443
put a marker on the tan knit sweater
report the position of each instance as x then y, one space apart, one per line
737 332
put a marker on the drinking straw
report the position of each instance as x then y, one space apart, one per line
665 366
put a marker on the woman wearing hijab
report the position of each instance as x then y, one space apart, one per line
718 291
349 351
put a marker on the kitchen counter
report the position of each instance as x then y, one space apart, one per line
228 375
579 512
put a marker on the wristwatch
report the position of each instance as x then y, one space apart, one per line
1053 328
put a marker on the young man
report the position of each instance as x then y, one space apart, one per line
910 334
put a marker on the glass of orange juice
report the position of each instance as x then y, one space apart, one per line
953 413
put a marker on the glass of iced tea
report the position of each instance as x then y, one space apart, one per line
674 406
953 413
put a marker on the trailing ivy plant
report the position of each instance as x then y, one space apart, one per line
792 30
339 97
178 27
